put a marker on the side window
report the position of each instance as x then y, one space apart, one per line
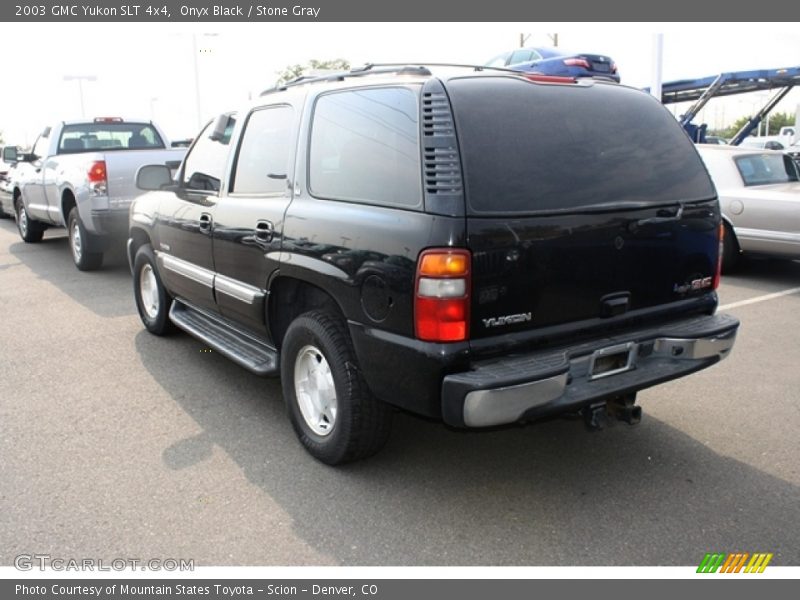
262 164
521 56
205 163
365 147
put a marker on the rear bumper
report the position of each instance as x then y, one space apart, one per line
110 223
550 382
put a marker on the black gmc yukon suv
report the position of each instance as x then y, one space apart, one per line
484 248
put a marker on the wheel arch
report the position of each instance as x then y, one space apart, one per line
730 230
289 297
68 202
137 237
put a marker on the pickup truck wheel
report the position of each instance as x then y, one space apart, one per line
730 251
152 299
29 230
333 412
83 259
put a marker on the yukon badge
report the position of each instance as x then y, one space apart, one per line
507 320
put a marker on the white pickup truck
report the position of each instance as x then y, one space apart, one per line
81 175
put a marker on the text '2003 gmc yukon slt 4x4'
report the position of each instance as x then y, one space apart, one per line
82 175
485 248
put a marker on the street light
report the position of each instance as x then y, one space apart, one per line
153 101
80 79
195 51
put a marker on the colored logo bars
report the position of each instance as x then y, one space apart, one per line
734 563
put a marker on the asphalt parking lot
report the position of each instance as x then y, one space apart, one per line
115 443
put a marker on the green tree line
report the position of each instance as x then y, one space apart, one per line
776 121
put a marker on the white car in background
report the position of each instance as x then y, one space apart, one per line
6 203
759 194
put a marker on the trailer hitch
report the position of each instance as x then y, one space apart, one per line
621 408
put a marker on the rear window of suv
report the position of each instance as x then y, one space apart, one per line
530 148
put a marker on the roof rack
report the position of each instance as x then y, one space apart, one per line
380 69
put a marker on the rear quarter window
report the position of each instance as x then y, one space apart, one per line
365 147
530 148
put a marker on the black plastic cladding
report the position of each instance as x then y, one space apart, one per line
443 185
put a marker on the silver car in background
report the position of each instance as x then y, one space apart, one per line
759 194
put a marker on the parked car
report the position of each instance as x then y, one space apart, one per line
81 175
346 236
715 139
794 151
554 61
6 174
764 143
759 194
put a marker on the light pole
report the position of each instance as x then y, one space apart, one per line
153 101
195 51
80 79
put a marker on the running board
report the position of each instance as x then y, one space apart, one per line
233 343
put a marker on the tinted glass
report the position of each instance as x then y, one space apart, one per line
365 147
91 137
263 162
205 163
530 147
764 169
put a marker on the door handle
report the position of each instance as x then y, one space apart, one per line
205 222
264 231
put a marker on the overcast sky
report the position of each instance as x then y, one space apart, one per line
148 70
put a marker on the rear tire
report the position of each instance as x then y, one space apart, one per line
78 237
30 231
333 412
152 299
730 251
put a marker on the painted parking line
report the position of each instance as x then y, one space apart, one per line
763 298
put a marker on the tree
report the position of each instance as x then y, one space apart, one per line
295 71
776 121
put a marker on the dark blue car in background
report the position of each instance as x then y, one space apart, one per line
553 61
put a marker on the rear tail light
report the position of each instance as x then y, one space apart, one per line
548 78
577 62
613 67
97 176
718 272
441 300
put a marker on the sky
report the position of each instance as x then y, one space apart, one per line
148 71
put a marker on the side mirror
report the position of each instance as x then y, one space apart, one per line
153 177
221 129
10 154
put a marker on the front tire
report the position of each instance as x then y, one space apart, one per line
333 412
30 231
78 237
152 299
